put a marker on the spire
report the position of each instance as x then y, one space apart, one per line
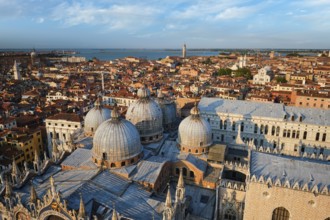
33 195
180 189
114 214
168 210
168 201
52 186
8 191
81 213
15 170
180 181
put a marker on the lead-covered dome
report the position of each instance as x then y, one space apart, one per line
147 116
116 142
168 108
95 117
195 134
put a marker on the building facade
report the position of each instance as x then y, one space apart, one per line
291 130
60 127
264 75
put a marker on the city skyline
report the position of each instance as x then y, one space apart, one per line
149 24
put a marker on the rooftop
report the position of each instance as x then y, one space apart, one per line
66 117
250 109
290 168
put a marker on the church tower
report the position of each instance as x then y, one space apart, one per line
184 51
17 75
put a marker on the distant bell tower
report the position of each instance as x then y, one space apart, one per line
17 75
184 51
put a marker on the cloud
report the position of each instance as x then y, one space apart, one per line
40 20
115 16
9 9
235 12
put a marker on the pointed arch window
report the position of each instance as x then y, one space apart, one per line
191 173
255 128
184 171
273 130
278 131
230 214
261 129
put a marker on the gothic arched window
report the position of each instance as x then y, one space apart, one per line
184 171
192 175
230 214
280 213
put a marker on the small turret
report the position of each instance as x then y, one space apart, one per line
115 114
33 195
114 214
15 173
168 209
52 186
82 212
9 191
180 189
195 111
168 201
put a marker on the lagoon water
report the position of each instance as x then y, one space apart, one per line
151 54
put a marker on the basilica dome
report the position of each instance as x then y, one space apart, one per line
168 108
116 142
147 117
95 117
195 134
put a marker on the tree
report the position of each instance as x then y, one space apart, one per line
224 72
243 72
281 79
208 61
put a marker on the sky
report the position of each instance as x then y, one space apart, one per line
165 24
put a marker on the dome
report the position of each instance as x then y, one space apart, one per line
116 142
168 108
143 92
95 117
195 134
147 116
